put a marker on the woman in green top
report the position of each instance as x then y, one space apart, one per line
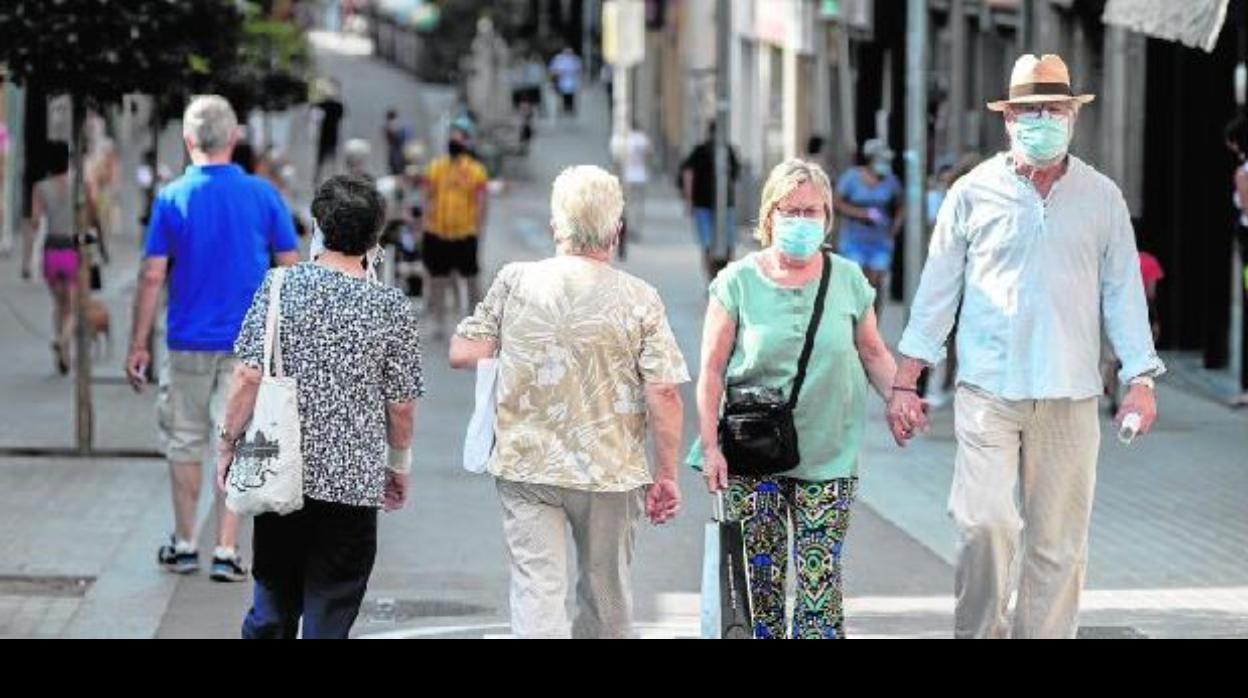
755 326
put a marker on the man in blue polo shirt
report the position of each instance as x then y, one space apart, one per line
213 234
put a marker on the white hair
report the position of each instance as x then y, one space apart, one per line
586 204
209 123
355 153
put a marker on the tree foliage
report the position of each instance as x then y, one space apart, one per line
99 50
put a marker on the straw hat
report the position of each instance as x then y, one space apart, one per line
1043 79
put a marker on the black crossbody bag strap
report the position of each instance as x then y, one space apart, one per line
811 331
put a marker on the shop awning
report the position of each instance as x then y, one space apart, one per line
1194 23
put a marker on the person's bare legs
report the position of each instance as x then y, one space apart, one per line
227 524
187 477
68 322
437 306
227 521
62 321
458 302
876 279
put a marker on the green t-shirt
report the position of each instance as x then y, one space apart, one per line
771 329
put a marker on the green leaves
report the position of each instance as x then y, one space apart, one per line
103 49
96 48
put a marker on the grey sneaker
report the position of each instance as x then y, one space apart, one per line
228 568
176 562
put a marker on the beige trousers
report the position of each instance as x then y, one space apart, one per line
1025 469
536 521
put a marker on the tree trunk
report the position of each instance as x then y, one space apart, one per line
82 329
154 163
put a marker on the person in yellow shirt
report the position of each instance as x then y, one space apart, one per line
456 206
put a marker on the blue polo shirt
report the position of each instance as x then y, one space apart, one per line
220 228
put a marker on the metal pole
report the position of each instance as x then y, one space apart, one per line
1237 313
959 75
1026 25
1236 347
13 168
589 8
621 91
722 239
543 22
845 83
916 140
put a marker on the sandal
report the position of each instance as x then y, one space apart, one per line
62 361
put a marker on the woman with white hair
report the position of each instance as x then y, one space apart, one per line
789 344
587 362
355 155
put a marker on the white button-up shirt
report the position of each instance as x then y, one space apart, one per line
1038 279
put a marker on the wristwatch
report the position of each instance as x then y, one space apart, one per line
1146 381
228 438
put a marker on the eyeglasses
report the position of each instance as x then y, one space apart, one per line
812 212
1052 108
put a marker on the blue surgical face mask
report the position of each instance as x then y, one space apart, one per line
882 168
1042 138
796 237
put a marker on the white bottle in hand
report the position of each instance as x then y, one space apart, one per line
1129 428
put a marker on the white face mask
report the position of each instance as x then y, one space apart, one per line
318 241
374 258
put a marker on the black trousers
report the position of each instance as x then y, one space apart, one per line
1241 239
313 564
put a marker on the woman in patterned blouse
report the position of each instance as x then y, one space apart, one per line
352 347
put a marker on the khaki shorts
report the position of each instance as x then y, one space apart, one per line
191 402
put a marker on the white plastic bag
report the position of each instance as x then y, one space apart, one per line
479 439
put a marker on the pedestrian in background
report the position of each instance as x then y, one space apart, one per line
869 197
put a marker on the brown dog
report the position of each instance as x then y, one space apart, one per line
100 324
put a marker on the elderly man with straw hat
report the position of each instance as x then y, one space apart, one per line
1037 247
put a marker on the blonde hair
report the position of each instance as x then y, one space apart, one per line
586 204
784 179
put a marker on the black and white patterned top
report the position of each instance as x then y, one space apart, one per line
352 346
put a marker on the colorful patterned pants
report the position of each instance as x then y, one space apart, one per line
819 515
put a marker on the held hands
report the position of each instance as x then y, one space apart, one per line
907 415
